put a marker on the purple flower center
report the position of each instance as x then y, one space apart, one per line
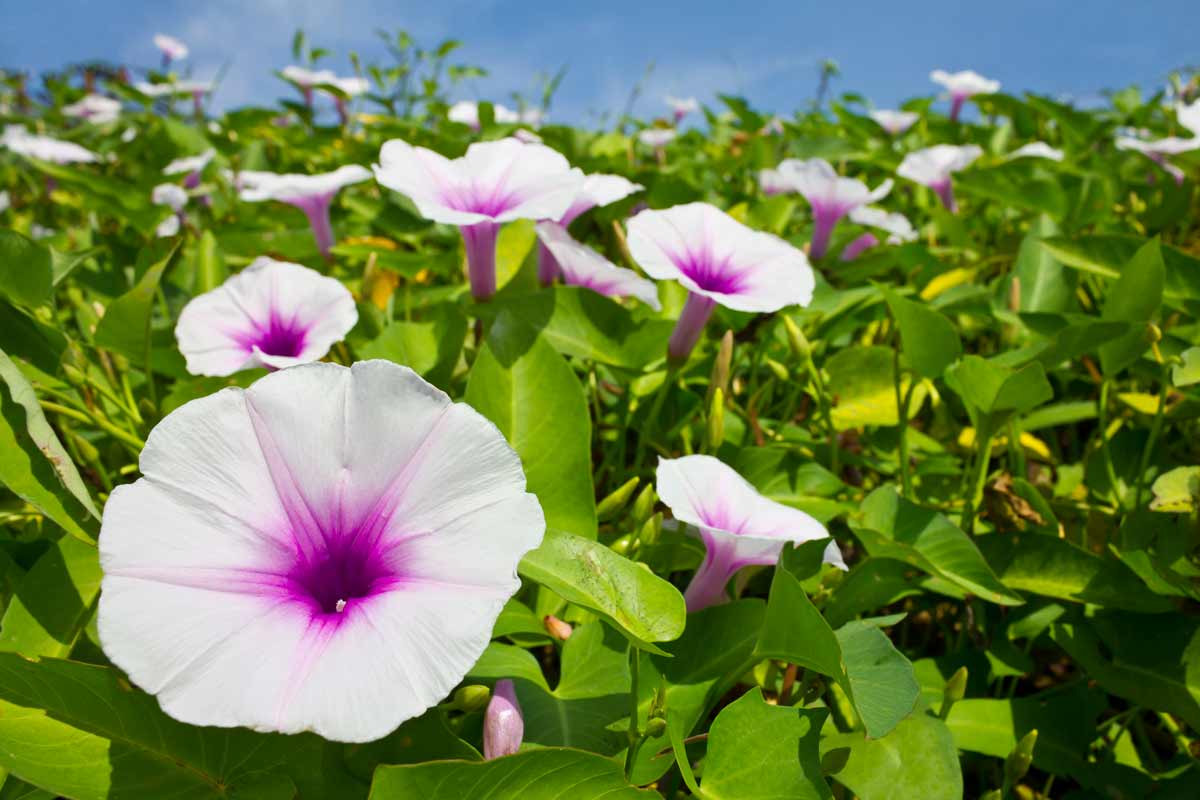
279 337
348 568
489 201
712 274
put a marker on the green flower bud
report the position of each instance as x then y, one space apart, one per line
656 726
471 698
644 505
801 349
716 420
610 506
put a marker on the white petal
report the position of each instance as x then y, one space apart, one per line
290 187
1189 116
583 266
935 164
833 556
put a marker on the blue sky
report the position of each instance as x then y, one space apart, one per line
765 50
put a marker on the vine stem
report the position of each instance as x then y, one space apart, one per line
902 423
1106 453
824 403
635 661
983 456
1155 432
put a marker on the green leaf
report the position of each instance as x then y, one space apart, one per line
882 684
431 348
862 379
501 660
33 462
793 630
425 738
1054 567
210 268
533 396
1110 255
1149 659
125 326
929 339
550 773
582 323
992 388
1045 285
758 751
1187 373
53 602
892 527
1176 491
110 740
917 759
513 245
640 604
1135 297
26 277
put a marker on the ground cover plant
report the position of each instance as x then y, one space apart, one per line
377 445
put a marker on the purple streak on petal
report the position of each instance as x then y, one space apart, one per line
192 180
721 276
696 312
573 213
275 337
956 104
503 724
825 219
480 243
945 190
858 246
316 208
707 587
548 268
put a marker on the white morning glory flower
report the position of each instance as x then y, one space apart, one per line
583 266
829 195
325 551
1158 150
493 183
718 260
597 190
898 227
933 167
17 139
95 108
466 112
657 138
171 48
963 85
738 526
682 106
193 166
1036 150
312 194
773 182
894 122
1189 116
168 227
168 194
272 314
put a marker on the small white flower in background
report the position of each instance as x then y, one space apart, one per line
272 314
933 167
493 183
963 85
894 122
1189 116
829 195
5 202
682 106
897 226
305 79
774 127
325 551
466 112
597 190
739 527
168 227
718 260
37 231
95 108
170 195
773 182
1158 150
18 139
583 266
1036 150
128 135
192 166
351 88
171 48
312 194
657 137
503 723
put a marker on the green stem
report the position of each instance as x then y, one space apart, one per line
1106 453
635 735
983 457
1155 432
132 441
650 425
827 414
902 426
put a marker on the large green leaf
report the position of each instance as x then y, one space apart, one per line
430 347
520 383
995 390
33 462
917 759
125 326
53 602
862 379
1044 284
551 773
1047 565
1134 298
929 339
891 527
25 273
1110 255
83 732
640 604
758 751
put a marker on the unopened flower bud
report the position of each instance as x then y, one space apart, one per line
650 531
610 506
801 349
956 689
643 505
503 725
1017 764
471 698
557 628
656 726
716 420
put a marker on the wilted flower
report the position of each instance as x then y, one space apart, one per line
1037 150
272 314
171 48
597 190
738 526
193 166
682 106
830 196
503 724
718 260
583 266
312 194
894 122
466 112
327 550
95 108
1158 150
18 139
493 183
933 167
963 85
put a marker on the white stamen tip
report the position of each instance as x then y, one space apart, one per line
340 606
